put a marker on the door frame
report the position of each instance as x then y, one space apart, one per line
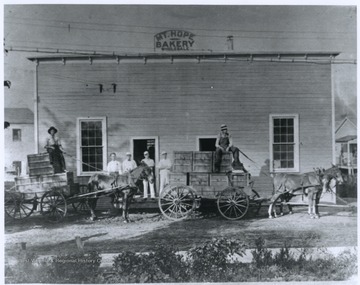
157 156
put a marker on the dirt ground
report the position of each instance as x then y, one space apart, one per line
337 227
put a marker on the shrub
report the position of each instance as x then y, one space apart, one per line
213 261
162 265
210 261
261 255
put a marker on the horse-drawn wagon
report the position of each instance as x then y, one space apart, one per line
193 179
42 190
51 193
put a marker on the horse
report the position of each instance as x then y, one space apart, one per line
121 186
315 193
313 185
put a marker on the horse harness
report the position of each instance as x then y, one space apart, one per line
114 184
303 187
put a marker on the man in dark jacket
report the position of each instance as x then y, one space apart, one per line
224 143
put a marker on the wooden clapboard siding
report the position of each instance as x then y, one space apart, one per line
180 101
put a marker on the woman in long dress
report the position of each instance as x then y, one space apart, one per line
55 150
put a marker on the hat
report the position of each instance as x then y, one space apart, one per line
223 127
128 153
52 128
146 152
164 152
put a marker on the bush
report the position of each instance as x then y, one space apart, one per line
261 255
162 265
213 261
210 261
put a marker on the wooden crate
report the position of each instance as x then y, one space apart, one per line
41 171
182 161
38 164
59 177
240 179
30 188
199 181
202 161
27 180
180 178
43 183
41 157
226 160
206 192
219 181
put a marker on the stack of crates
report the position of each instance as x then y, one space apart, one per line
39 184
197 169
39 164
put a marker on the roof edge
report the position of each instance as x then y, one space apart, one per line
183 55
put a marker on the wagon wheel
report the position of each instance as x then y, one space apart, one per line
233 203
176 202
81 204
53 206
18 207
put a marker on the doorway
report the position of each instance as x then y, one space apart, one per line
138 145
142 145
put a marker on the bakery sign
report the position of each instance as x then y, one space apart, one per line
174 40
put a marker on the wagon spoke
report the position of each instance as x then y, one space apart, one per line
240 205
168 208
168 203
233 203
183 207
239 210
13 209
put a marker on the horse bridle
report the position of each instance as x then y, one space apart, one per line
331 176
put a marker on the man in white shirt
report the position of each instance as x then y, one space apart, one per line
128 164
149 162
114 166
164 167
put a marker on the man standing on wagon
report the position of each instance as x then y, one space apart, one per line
224 143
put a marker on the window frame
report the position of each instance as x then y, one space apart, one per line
103 120
295 117
19 135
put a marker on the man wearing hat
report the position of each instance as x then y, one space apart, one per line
224 143
149 162
55 150
128 164
114 166
164 167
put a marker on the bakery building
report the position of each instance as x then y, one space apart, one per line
279 107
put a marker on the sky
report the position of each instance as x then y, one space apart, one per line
131 29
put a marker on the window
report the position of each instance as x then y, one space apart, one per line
206 143
17 167
16 135
91 145
284 143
